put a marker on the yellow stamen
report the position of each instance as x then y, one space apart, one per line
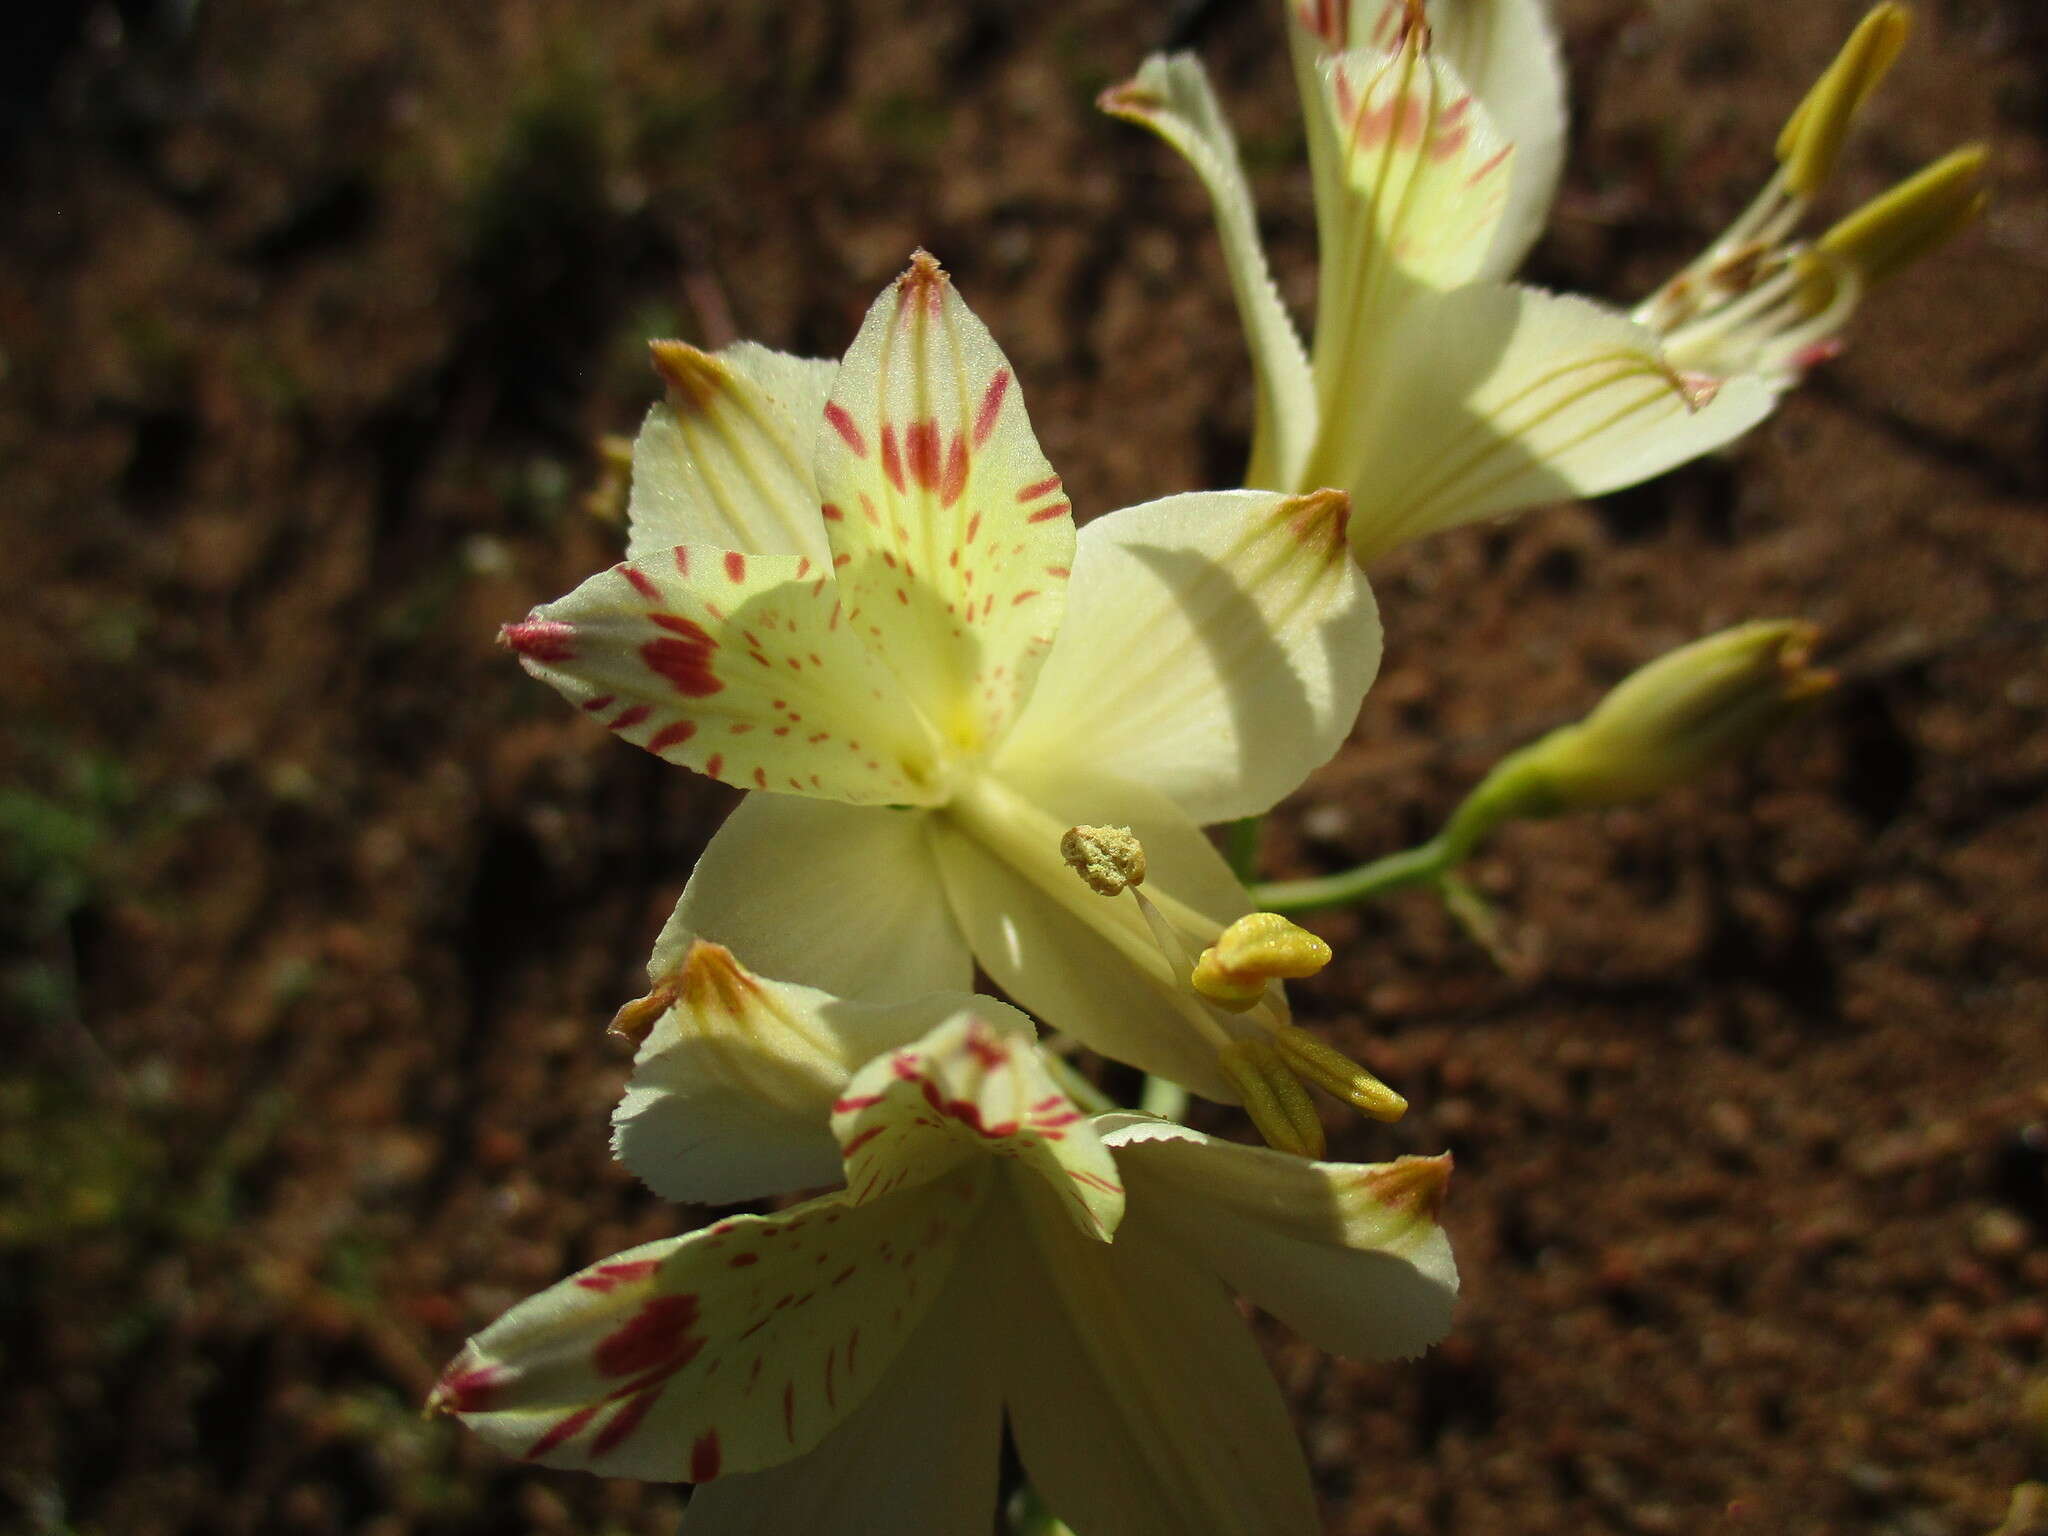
1109 859
1814 134
1259 947
1902 225
1334 1072
1273 1096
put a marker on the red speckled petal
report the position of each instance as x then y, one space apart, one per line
975 1087
950 531
740 666
735 1348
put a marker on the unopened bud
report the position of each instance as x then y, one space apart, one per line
1110 859
1673 719
1259 947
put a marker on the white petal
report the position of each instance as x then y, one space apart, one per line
1140 1405
1348 1255
743 667
1171 96
975 1087
732 1090
1513 397
1215 648
725 459
1080 962
842 898
1426 166
1420 181
918 1458
1507 51
734 1348
949 530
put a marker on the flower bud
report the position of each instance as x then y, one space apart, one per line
1672 720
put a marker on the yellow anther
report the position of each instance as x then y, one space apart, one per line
1273 1096
1110 859
1902 225
1259 947
1334 1072
1813 135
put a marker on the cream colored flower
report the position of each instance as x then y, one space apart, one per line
861 594
1435 391
847 1365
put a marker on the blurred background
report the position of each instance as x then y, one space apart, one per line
313 907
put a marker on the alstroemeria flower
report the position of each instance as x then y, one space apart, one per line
1436 392
862 594
847 1365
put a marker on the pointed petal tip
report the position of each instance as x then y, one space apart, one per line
1415 1183
1320 519
693 377
1698 389
467 1386
924 279
537 639
1133 99
635 1021
712 979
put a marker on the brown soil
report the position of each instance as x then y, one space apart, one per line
315 906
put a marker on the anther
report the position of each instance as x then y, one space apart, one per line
1259 947
1335 1073
1110 859
1813 135
1273 1096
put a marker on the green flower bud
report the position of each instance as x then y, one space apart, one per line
1670 721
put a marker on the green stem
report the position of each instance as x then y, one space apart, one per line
1423 865
1516 787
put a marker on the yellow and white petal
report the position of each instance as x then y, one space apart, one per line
743 667
1171 96
1423 157
732 1090
737 1347
725 458
1422 183
973 1088
1216 648
1348 1255
1520 397
1505 50
840 897
1082 963
919 1456
950 531
1140 1405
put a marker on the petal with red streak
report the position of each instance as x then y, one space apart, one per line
950 530
743 667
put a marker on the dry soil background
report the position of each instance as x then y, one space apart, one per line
314 906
